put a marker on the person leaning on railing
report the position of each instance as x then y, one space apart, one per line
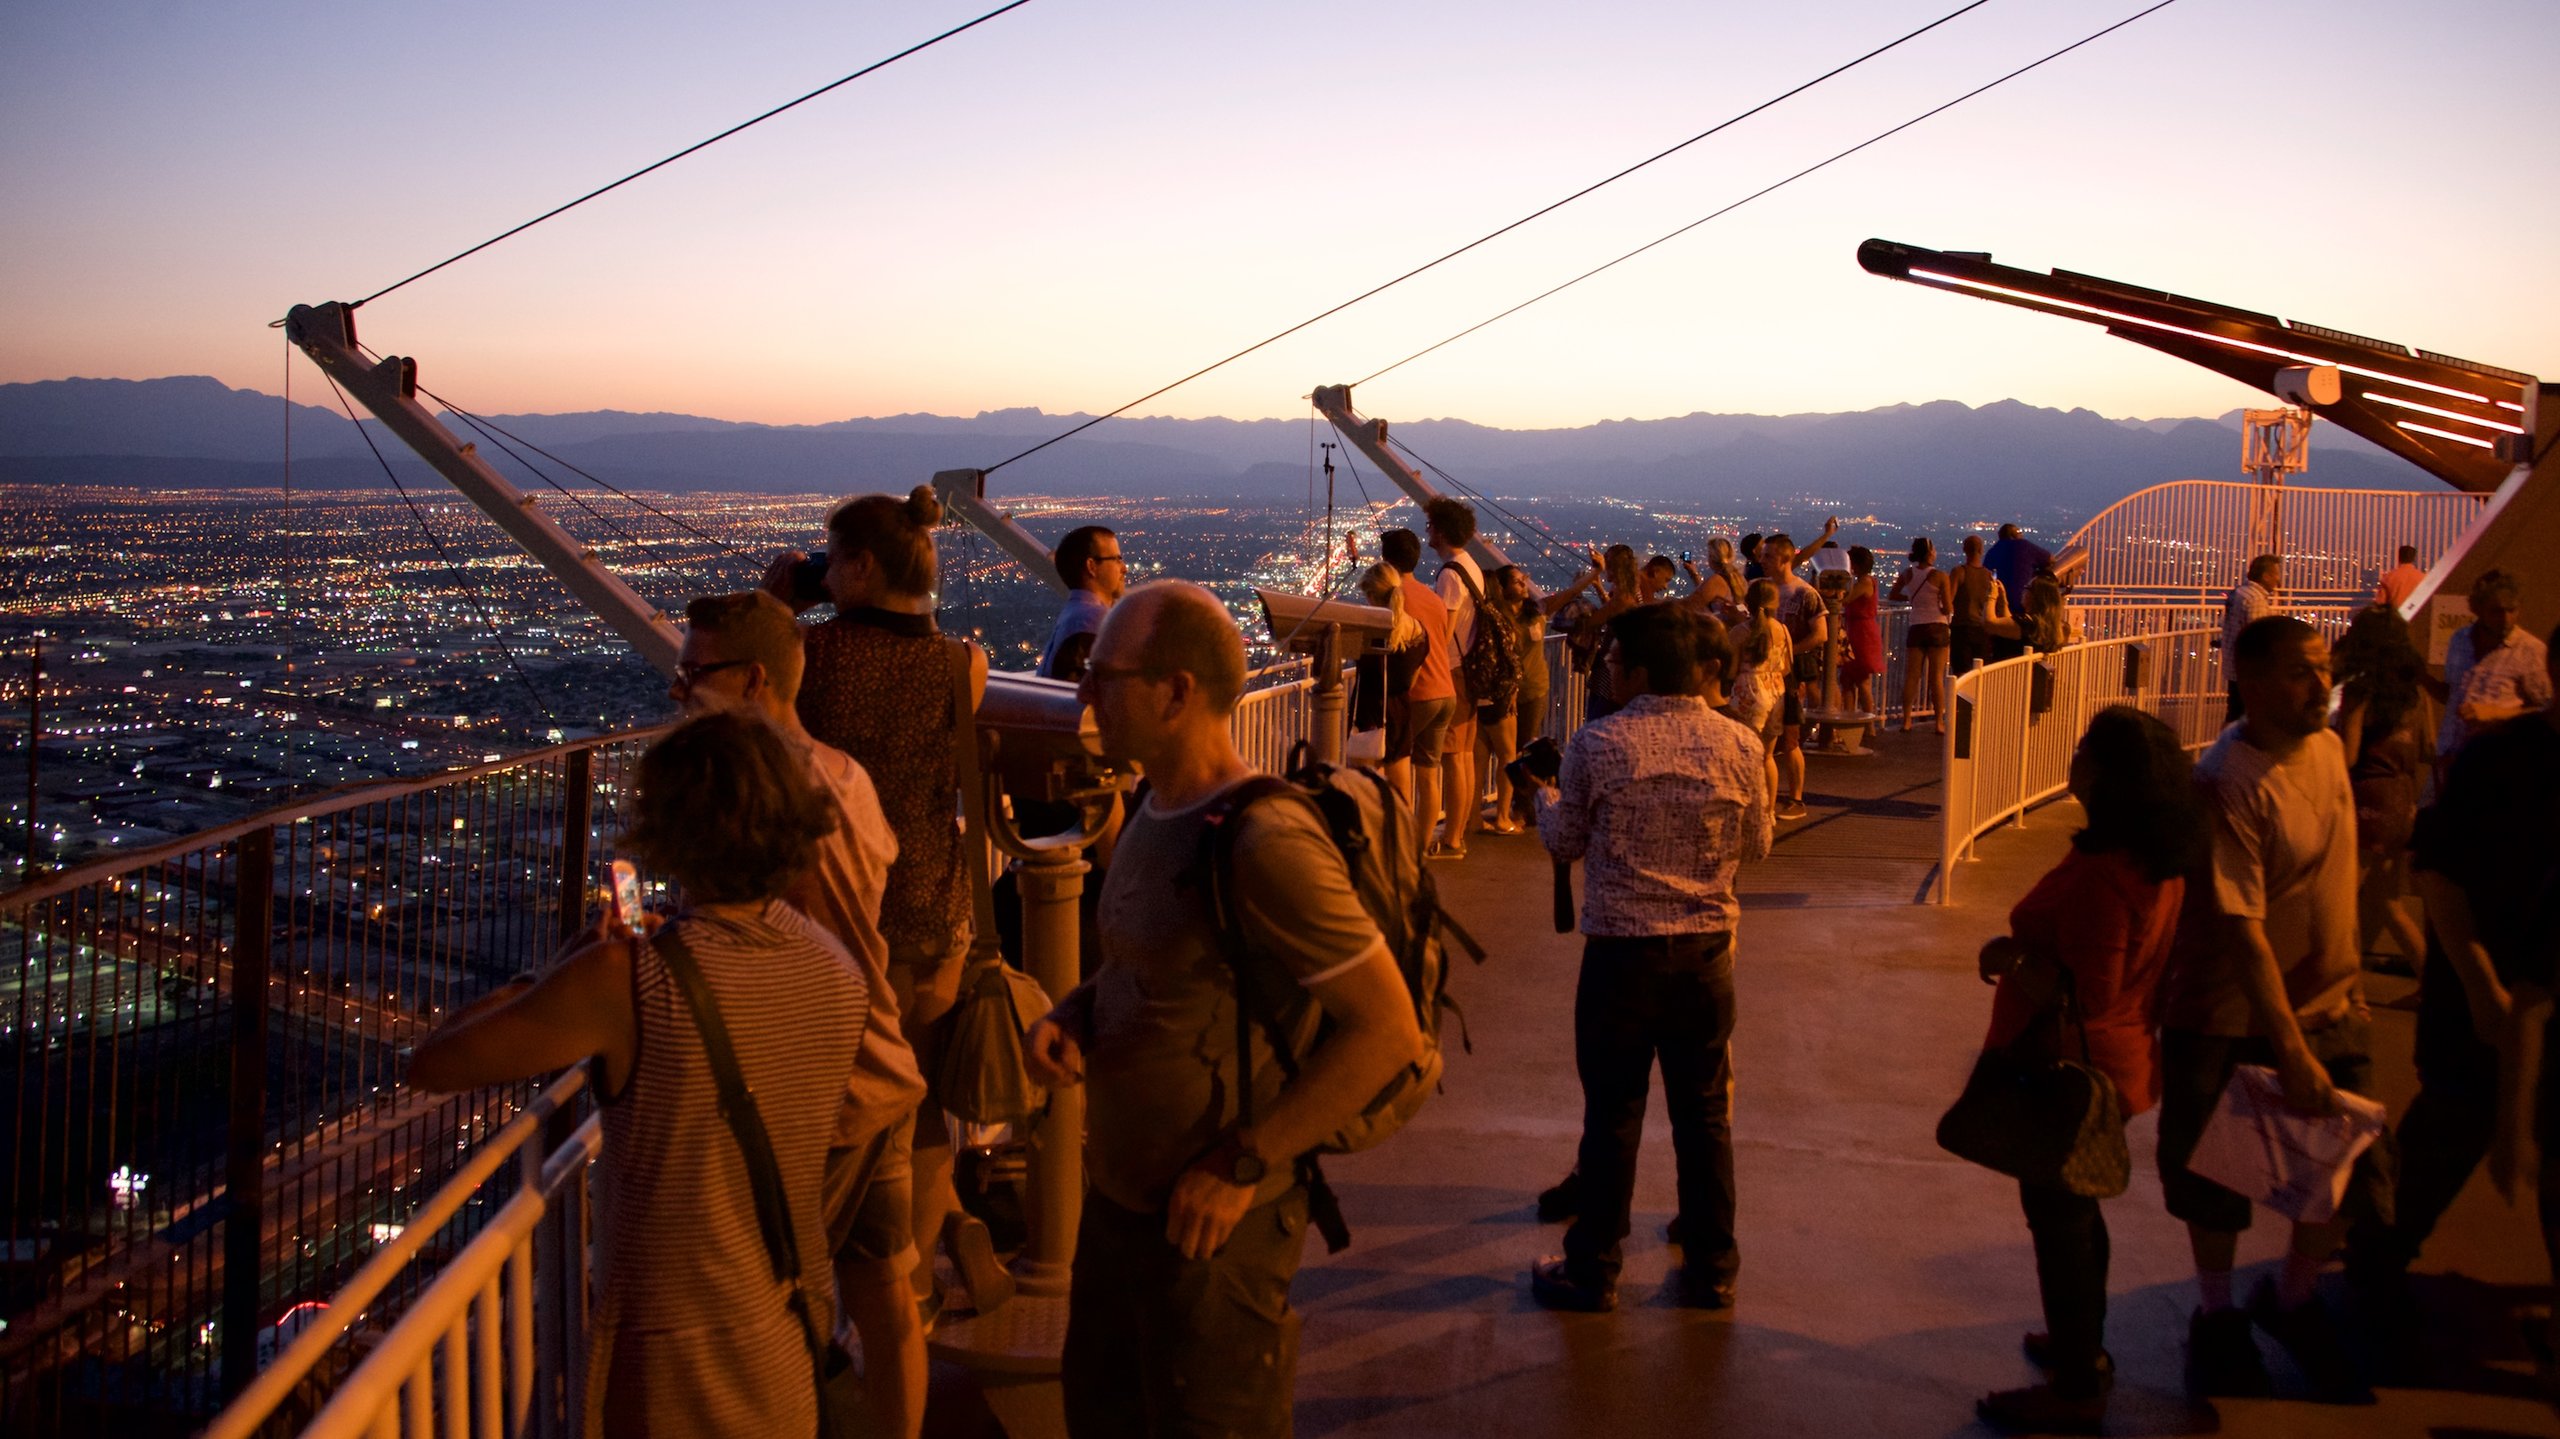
693 1333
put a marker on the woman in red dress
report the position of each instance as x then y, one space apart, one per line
2095 929
1863 662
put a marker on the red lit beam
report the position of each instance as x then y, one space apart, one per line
2463 422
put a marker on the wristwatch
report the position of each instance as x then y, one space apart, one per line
1234 1161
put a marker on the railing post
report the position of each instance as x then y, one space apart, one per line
1051 884
244 1219
1330 697
577 812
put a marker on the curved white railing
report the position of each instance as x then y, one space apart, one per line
2199 535
495 1343
2017 721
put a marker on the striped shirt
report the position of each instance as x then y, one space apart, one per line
694 1334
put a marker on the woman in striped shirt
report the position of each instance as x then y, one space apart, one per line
693 1333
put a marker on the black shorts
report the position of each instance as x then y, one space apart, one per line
1927 637
1791 710
2193 1070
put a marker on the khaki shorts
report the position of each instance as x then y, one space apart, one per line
868 1199
927 984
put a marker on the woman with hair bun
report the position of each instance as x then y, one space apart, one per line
883 685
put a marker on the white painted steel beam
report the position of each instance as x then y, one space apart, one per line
1369 437
327 333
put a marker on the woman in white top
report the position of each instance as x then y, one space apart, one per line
1923 586
1764 654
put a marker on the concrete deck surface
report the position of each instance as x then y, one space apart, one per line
1884 1283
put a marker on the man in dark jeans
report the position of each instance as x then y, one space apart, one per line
1660 800
2488 865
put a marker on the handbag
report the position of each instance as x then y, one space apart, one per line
2056 1123
983 1077
841 1411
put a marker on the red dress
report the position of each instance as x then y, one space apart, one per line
2098 917
1865 633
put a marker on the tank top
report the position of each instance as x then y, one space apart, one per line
1928 602
879 687
694 1335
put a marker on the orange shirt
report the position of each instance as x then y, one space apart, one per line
2098 917
1436 680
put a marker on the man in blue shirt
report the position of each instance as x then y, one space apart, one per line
2014 560
1088 559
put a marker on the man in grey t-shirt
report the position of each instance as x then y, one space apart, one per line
1178 1317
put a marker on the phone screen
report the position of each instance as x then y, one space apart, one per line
626 895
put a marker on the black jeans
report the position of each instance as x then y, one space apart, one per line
2071 1273
1160 1345
2449 1126
1639 1000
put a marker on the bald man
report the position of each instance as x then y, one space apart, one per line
1178 1320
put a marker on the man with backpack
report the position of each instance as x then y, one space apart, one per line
1488 670
1660 801
1223 924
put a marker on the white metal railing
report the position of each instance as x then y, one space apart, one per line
2016 723
2199 535
495 1344
1269 722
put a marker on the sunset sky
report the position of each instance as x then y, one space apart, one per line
1082 200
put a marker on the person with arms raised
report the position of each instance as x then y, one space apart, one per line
888 688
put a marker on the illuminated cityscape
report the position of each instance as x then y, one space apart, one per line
211 653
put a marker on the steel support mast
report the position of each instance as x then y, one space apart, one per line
1369 437
327 333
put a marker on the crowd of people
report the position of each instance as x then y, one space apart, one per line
765 1054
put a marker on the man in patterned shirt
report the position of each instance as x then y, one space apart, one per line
2251 600
2493 669
1660 801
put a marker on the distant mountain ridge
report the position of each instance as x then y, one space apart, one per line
192 430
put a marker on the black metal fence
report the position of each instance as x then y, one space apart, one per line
201 1052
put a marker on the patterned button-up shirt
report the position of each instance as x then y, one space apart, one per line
2512 674
2248 601
1660 801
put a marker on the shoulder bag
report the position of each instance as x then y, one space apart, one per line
840 1406
2056 1123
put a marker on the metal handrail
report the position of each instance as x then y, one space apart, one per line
2005 755
336 800
276 1383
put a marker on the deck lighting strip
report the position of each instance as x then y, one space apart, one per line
2122 318
2444 434
2432 410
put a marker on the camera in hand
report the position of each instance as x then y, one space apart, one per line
809 581
1539 763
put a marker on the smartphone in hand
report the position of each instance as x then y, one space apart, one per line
623 904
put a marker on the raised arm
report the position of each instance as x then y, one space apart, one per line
580 1010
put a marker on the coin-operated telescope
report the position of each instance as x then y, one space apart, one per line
1330 633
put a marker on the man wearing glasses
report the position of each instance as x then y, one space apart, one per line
742 655
1178 1318
1089 561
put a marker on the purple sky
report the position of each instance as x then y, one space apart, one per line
1080 201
